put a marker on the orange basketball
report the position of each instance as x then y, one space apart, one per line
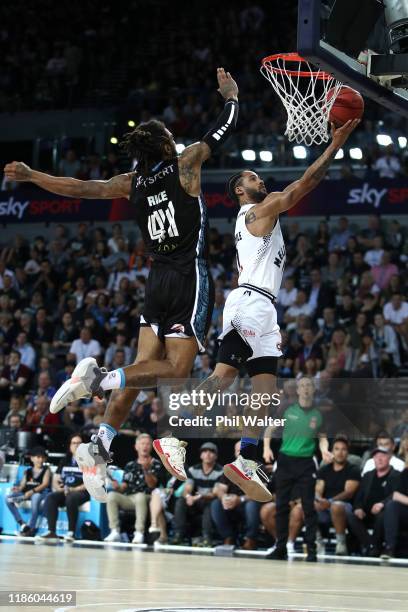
349 104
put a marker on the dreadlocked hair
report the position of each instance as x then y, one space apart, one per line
145 144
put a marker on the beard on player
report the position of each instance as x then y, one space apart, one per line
256 195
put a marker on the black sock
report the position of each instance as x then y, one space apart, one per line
250 452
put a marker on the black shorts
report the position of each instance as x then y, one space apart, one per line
179 305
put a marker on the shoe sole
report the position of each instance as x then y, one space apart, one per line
62 396
251 488
163 458
90 471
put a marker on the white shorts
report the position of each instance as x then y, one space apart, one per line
253 315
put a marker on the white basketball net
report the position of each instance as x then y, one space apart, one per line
304 96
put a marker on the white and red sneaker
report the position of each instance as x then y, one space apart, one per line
244 473
172 454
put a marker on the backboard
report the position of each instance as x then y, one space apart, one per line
335 35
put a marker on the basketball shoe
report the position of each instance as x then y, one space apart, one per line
92 458
84 383
244 473
172 453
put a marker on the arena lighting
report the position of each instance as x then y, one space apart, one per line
356 153
114 140
299 152
266 156
180 147
402 141
339 154
131 123
248 155
384 140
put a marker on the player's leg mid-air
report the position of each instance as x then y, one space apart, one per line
171 213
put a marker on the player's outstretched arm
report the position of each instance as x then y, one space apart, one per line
192 158
276 203
116 187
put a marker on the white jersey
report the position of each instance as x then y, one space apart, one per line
260 260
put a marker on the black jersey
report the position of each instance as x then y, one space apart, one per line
34 481
174 224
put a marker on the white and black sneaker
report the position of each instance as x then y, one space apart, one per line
93 458
247 474
84 383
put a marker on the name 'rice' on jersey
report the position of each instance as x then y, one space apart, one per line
174 224
260 260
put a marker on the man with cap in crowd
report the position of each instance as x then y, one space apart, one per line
376 490
195 503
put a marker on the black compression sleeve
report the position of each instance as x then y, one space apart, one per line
223 127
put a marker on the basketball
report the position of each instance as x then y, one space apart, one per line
349 104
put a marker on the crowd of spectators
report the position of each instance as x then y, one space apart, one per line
343 311
166 73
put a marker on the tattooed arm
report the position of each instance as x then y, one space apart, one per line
277 202
116 187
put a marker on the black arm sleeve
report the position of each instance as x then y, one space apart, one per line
223 127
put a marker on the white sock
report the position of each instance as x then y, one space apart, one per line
341 538
106 433
114 380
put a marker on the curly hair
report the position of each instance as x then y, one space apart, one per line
145 144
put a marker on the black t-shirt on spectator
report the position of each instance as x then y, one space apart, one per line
335 481
135 479
70 472
403 484
378 492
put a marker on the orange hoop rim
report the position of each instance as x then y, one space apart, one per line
293 57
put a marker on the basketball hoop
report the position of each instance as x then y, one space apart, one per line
304 92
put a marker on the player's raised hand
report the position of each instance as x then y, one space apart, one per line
226 84
340 135
17 171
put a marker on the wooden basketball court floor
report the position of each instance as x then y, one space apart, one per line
116 579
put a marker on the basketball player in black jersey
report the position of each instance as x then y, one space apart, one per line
166 193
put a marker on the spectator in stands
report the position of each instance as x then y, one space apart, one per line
133 493
70 165
377 487
373 256
119 344
39 419
231 508
388 165
15 376
396 515
339 238
386 345
321 295
45 389
16 407
65 334
84 346
34 486
383 272
396 314
299 307
68 490
195 504
336 486
383 440
27 352
308 350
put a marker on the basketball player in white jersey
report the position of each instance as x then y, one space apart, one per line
250 332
